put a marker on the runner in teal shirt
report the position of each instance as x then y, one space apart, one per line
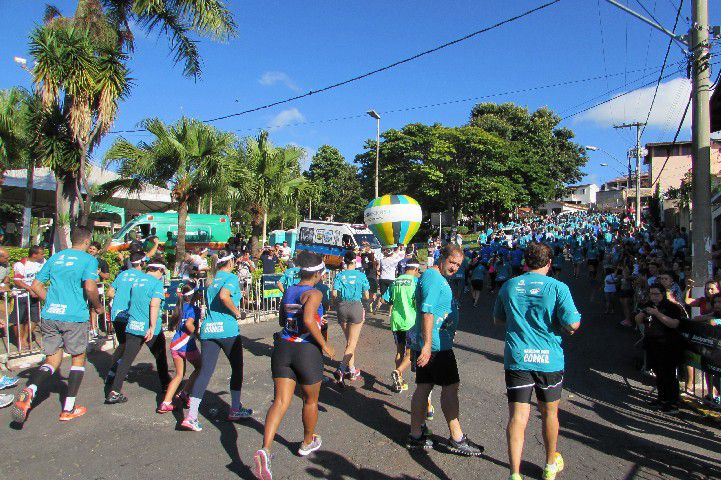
350 285
121 287
434 296
535 307
66 271
219 321
290 277
145 288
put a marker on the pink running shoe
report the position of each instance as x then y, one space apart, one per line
165 407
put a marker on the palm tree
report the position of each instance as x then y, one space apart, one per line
16 144
191 158
81 70
266 176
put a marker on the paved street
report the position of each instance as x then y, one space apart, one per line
606 431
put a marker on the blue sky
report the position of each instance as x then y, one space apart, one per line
284 48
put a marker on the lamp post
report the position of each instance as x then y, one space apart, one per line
593 148
375 115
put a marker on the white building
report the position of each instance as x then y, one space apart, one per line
581 194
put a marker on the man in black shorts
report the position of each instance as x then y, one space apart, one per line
535 309
431 343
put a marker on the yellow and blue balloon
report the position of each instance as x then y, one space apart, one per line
393 219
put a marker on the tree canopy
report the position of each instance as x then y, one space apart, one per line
339 191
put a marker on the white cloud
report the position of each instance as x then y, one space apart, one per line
667 110
307 155
292 115
271 78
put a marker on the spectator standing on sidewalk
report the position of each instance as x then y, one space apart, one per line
535 309
27 304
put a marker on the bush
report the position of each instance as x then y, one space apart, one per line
463 230
17 253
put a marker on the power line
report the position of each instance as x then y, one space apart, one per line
675 138
447 102
663 67
387 67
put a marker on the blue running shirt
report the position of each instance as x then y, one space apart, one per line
145 288
121 301
350 285
534 308
434 296
219 321
66 271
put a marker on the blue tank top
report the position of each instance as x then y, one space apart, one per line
291 315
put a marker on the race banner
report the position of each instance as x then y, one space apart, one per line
703 346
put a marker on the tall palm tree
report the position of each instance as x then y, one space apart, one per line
81 66
191 158
16 144
266 176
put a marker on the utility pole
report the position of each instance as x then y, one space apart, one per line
699 49
701 143
637 152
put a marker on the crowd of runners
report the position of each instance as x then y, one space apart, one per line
642 271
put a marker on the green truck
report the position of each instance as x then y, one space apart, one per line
201 230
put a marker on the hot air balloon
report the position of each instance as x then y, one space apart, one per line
393 219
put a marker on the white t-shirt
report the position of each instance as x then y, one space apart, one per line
609 284
388 267
285 253
25 270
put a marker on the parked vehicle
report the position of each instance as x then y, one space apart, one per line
333 239
202 230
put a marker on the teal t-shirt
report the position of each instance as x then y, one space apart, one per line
479 272
434 296
66 271
290 277
219 321
121 301
534 308
145 288
350 285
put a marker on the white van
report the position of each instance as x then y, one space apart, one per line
333 239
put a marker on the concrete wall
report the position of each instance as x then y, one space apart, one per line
678 164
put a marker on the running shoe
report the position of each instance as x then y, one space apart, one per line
338 374
670 409
8 382
430 413
240 414
115 397
306 450
6 399
22 405
550 471
76 412
353 375
262 460
424 442
165 407
515 476
191 424
404 387
397 381
465 447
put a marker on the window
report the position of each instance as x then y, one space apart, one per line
583 191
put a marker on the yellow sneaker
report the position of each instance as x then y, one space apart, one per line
550 471
515 476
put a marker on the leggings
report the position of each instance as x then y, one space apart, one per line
133 344
210 349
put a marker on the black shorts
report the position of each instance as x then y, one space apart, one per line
441 369
477 284
300 361
373 284
400 337
521 383
384 284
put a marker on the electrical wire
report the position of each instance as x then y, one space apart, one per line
447 102
387 67
663 67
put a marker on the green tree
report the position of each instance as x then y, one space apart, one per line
191 158
81 71
338 184
266 178
16 142
539 137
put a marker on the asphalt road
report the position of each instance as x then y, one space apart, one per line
606 430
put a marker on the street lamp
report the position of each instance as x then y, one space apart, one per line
593 148
375 115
